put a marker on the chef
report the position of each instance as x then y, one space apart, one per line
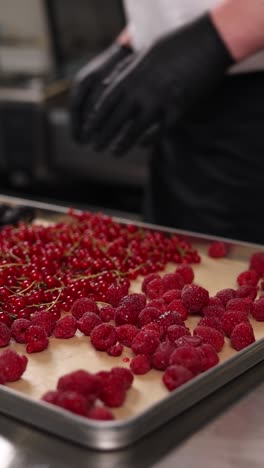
190 74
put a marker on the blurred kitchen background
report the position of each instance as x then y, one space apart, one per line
42 44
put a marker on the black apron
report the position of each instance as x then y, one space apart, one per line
207 173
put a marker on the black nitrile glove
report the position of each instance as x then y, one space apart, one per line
89 84
160 85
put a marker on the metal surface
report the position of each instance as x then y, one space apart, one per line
117 434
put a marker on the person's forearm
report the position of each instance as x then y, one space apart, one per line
241 26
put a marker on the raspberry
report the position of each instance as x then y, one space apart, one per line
73 402
158 303
208 355
115 350
145 342
242 336
88 322
43 319
257 263
115 293
154 327
194 297
65 327
51 397
147 315
147 280
100 414
176 331
214 311
186 272
82 382
155 289
107 313
247 291
161 357
124 315
187 356
37 346
214 301
83 305
244 305
126 334
258 310
249 277
12 365
211 322
217 249
175 376
172 281
231 319
140 364
37 339
187 340
167 319
171 295
19 328
5 335
113 391
210 336
135 302
103 336
177 306
124 375
225 295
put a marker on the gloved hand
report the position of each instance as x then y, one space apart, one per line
162 84
89 84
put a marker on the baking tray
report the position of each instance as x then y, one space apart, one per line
149 405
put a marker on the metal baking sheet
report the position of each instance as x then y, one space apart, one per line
148 404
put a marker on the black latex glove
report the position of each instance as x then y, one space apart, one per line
89 84
162 84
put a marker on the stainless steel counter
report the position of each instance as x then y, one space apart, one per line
232 440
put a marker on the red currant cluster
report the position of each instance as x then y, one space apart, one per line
49 267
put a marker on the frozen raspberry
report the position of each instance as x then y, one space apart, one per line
214 311
73 402
231 319
12 365
247 291
153 326
186 272
124 375
115 350
210 336
82 382
187 356
176 331
175 376
107 313
145 342
194 297
258 310
214 301
257 263
140 364
113 391
172 281
244 305
88 322
19 328
249 277
43 319
126 334
187 340
217 249
147 280
35 333
103 336
125 316
5 335
161 357
208 355
65 327
135 302
177 306
100 414
171 295
225 295
211 322
242 336
51 396
147 315
155 289
36 346
115 293
83 305
158 303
